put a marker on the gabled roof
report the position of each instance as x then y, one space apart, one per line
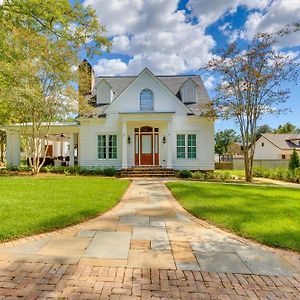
283 141
172 82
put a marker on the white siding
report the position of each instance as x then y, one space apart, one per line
88 142
204 130
129 100
268 151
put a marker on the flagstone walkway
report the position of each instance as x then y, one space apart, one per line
147 246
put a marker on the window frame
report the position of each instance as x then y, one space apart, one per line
144 107
186 146
107 146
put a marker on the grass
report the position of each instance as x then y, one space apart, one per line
37 204
239 173
270 215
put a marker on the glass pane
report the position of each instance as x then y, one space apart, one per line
156 143
192 152
146 100
146 144
180 140
192 140
180 152
112 146
136 144
101 146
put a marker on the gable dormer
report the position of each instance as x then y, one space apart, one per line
188 91
104 92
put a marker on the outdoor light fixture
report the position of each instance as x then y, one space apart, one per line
128 140
164 139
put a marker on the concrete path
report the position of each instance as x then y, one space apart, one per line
147 233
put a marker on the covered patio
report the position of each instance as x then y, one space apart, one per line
61 138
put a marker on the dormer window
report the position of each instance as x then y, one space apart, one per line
146 100
188 92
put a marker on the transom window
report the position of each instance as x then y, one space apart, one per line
186 146
107 146
146 100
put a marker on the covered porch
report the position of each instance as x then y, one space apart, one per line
59 146
146 139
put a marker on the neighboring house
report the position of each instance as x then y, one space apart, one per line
143 120
272 146
235 148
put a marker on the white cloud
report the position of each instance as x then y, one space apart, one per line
278 15
152 34
209 82
210 11
110 67
155 34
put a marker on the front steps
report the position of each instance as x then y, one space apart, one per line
147 172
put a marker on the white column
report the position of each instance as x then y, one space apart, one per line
71 150
13 149
124 145
169 146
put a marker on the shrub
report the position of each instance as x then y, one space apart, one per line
294 161
185 173
109 172
198 175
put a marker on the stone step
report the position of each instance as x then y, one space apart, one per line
148 175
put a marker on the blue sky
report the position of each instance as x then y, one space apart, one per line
179 37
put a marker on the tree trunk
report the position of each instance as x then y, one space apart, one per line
248 167
1 146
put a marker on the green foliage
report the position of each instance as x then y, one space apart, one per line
270 215
184 173
109 172
223 138
76 170
294 161
264 129
287 128
40 42
33 205
283 174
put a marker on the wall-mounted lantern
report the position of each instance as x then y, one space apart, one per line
164 139
128 140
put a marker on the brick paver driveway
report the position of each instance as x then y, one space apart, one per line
147 247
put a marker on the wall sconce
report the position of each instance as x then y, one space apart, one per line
164 139
128 140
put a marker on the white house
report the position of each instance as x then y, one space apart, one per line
142 120
272 146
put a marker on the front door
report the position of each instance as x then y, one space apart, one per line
146 149
146 146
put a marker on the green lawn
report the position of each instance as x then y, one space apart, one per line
270 215
239 173
35 204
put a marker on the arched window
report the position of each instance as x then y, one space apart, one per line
146 100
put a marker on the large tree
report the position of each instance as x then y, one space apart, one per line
251 86
40 43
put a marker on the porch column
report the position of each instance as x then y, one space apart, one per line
169 146
71 150
124 145
13 149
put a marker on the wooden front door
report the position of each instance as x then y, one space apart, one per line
146 149
146 146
